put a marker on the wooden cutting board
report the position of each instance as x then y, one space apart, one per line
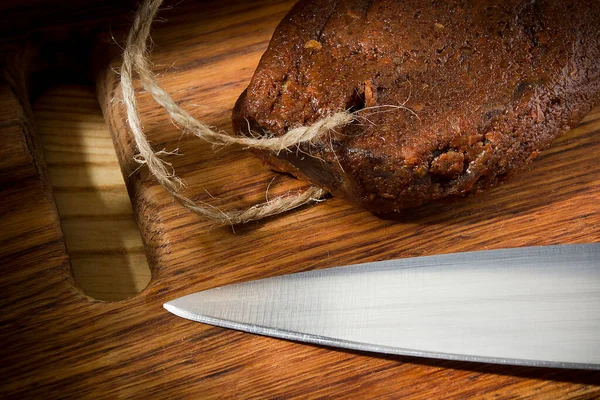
56 342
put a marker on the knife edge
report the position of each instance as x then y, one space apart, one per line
351 345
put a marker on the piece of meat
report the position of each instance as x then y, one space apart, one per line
451 95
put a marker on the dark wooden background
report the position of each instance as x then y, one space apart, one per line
57 342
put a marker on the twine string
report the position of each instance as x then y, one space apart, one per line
136 60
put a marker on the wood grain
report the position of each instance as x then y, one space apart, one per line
103 241
58 343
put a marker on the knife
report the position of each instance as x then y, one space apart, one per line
533 306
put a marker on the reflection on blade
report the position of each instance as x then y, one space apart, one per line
531 306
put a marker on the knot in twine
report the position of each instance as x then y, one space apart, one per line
135 59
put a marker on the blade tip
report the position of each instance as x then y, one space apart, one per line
170 307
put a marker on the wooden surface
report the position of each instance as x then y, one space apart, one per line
101 236
56 342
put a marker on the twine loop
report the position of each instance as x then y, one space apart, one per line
136 60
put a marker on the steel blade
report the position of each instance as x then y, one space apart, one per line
529 306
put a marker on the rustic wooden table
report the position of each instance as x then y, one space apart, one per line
58 342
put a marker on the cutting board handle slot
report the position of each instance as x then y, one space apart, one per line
101 235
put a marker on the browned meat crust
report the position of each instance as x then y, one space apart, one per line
481 87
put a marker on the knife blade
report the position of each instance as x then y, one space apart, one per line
534 306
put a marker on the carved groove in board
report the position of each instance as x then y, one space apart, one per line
102 238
